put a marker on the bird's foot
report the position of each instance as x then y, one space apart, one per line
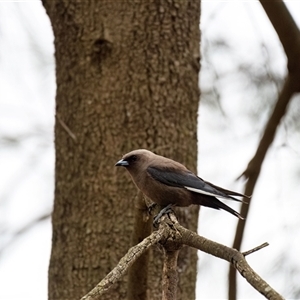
165 210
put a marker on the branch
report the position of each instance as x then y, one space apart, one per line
255 249
236 258
170 275
286 29
171 247
119 271
171 235
289 36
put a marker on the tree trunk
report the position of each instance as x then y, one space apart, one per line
127 78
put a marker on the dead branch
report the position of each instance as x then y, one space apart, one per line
171 235
255 249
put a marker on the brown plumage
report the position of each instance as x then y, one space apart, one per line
166 182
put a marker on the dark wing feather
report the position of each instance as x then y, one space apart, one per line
189 181
228 192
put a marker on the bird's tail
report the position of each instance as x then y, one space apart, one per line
229 193
217 204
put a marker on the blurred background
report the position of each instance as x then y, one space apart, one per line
243 68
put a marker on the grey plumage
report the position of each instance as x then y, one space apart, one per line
166 181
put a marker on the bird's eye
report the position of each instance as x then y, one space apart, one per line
133 158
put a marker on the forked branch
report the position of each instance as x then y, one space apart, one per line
171 235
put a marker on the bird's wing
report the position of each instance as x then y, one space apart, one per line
189 181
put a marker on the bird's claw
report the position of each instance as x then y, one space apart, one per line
166 210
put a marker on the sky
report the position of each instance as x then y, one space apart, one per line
226 144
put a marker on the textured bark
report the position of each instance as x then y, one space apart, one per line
127 78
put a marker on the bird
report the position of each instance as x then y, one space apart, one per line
169 183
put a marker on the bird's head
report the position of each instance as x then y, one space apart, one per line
135 160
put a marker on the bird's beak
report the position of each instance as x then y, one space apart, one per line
122 163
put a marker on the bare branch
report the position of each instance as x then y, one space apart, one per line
236 258
289 36
255 249
170 275
171 251
171 235
116 274
287 30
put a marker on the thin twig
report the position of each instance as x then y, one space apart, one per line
255 249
